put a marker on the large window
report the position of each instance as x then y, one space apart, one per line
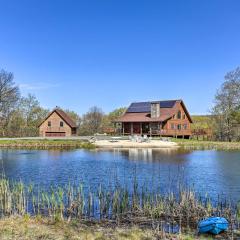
179 115
179 126
185 126
172 126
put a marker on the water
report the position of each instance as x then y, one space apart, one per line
214 172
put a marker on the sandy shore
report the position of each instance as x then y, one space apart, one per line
130 144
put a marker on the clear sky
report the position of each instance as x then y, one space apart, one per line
76 54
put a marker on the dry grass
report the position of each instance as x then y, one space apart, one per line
25 228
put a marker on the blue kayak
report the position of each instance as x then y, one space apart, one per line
214 225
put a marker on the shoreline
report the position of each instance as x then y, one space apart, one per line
128 144
29 228
107 143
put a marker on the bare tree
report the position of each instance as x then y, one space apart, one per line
91 121
9 96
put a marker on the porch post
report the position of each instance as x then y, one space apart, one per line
141 131
150 127
131 128
123 129
160 129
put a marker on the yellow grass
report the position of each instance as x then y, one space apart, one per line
27 228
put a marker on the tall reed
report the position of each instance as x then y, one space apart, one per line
120 205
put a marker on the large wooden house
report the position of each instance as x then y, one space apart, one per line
57 124
160 118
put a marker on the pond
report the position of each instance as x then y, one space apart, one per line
216 173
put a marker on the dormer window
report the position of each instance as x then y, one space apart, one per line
179 115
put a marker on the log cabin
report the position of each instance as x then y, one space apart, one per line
158 118
57 124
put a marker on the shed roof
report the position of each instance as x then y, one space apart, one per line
62 115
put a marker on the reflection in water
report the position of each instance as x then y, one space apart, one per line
215 172
153 154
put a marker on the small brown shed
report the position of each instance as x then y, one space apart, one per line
57 124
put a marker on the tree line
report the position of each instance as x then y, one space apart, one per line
20 116
226 110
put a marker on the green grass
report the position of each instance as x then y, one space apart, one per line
201 145
45 143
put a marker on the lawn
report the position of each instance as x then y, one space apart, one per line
45 143
201 145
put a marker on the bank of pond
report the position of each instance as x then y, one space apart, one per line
172 213
87 143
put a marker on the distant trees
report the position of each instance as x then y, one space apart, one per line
32 113
25 118
21 116
109 124
96 121
226 111
202 127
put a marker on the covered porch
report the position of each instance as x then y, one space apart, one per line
142 128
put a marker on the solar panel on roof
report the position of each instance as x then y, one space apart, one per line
167 104
146 106
139 107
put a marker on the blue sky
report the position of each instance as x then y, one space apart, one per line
76 54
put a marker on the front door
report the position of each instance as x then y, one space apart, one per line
55 134
136 128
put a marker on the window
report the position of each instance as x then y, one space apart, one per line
179 126
61 124
185 126
172 126
184 116
179 115
49 123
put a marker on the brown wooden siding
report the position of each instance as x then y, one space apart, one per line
55 129
174 126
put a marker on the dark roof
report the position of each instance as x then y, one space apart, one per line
145 107
63 115
141 111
